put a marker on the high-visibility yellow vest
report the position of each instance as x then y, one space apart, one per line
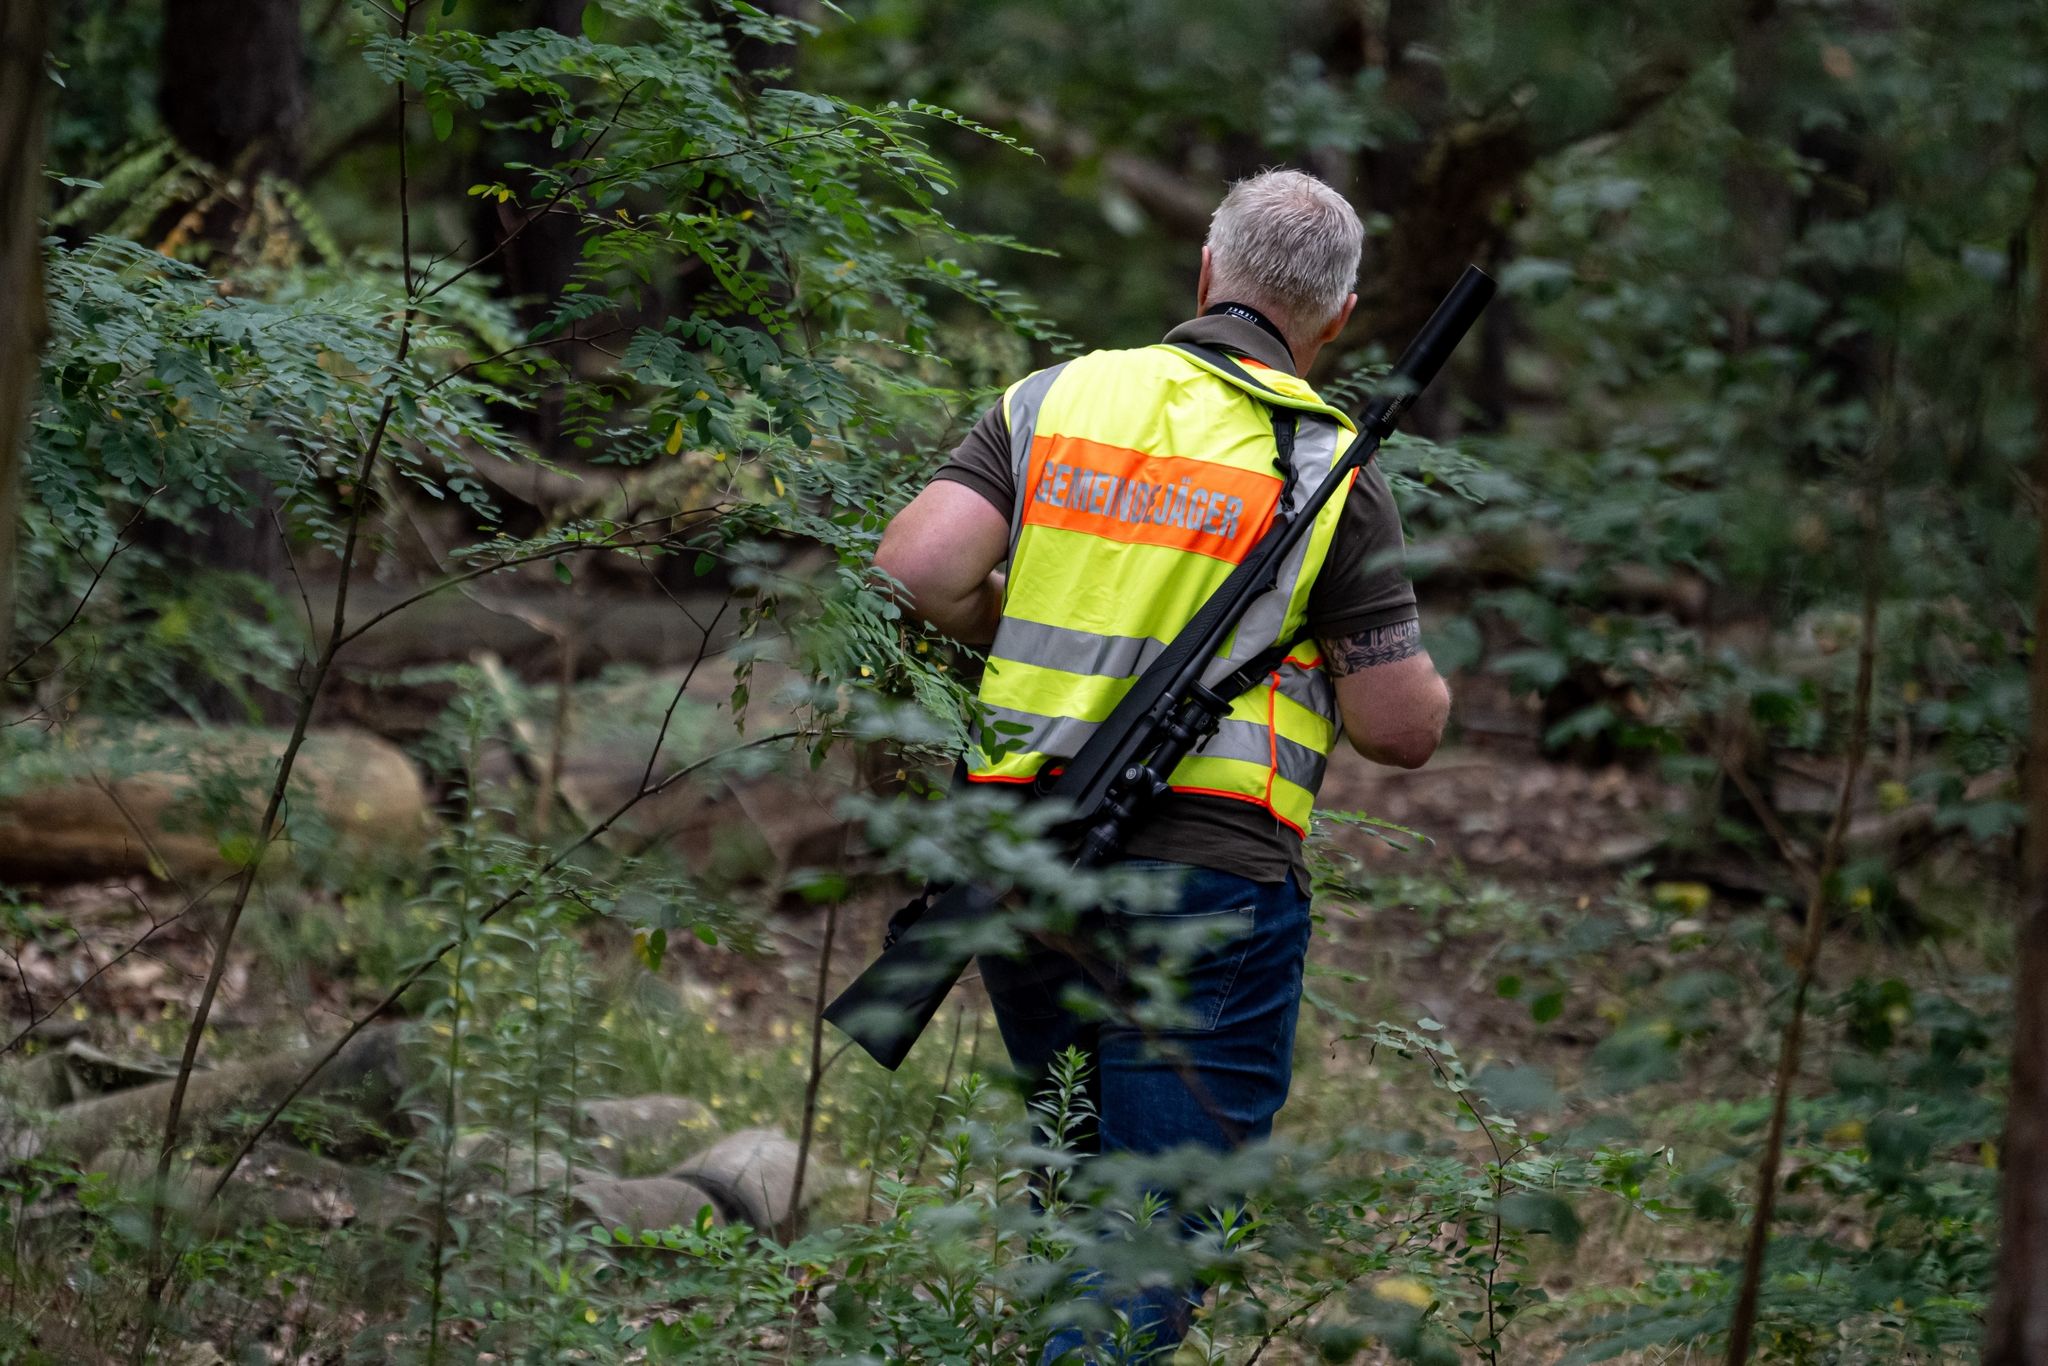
1143 477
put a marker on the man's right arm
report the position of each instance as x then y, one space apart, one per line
944 547
1362 609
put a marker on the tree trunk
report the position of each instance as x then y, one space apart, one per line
233 89
24 38
1757 191
2016 1331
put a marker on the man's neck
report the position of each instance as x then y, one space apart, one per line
1253 316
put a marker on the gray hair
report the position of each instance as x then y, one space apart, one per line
1286 241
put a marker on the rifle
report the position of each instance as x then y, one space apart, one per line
1167 713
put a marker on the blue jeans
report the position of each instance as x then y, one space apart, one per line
1212 1075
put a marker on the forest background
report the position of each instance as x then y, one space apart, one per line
454 742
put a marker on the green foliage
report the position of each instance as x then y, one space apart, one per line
1747 326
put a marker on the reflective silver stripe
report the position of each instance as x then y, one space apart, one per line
1076 652
1311 687
1026 397
1061 737
1316 444
1246 740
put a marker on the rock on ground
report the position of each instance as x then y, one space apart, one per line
645 1134
752 1173
647 1202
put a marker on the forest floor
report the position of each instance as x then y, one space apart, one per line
1493 822
1527 928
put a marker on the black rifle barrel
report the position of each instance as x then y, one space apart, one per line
1426 355
890 1003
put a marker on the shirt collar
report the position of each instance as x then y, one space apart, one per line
1235 334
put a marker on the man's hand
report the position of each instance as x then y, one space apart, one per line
1393 703
944 548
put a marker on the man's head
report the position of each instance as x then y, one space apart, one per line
1288 245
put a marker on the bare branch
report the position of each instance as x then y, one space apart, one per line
1742 1323
120 544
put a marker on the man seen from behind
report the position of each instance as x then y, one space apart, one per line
1081 524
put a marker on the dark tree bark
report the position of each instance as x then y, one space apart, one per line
1415 85
24 90
2016 1330
533 257
540 260
1445 196
233 89
1761 200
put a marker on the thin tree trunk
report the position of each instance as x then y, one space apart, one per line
24 38
1761 199
2016 1330
1749 1295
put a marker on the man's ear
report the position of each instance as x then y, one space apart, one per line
1202 284
1337 323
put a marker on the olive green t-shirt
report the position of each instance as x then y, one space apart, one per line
1362 586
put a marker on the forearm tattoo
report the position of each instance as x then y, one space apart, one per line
1369 649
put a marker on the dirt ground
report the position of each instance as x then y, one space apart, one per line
125 957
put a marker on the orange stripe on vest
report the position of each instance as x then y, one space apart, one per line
1166 500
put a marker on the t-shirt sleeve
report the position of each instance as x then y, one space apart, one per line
1364 581
982 461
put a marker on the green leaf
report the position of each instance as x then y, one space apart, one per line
1540 1212
1547 1007
1518 1090
442 115
822 887
562 572
649 946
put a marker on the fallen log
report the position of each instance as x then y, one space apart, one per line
507 619
180 802
247 1200
362 1090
